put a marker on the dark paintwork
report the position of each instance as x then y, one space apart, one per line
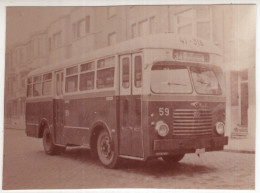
75 119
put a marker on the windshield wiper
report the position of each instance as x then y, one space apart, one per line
203 82
174 83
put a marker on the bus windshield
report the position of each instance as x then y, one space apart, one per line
205 81
167 77
170 78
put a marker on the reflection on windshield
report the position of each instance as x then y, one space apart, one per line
205 81
170 79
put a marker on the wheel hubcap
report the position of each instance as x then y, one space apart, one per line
105 147
48 140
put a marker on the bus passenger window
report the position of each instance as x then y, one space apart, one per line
138 71
29 87
46 85
29 90
125 73
105 73
71 84
37 86
71 79
105 78
87 81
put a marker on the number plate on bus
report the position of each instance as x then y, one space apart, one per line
199 151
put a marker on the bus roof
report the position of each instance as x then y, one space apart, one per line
166 40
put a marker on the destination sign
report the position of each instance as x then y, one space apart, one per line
190 56
192 41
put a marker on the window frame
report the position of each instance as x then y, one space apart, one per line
37 83
81 73
48 80
86 20
137 90
104 68
69 76
194 21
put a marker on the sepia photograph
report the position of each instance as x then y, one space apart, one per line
130 96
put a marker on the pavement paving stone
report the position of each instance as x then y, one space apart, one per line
26 166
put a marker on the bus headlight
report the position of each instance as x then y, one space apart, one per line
162 128
220 128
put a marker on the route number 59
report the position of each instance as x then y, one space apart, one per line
164 111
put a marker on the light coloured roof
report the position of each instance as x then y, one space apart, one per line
166 40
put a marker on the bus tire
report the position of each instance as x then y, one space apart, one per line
173 158
48 144
107 156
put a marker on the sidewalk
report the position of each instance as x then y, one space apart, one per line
240 145
14 126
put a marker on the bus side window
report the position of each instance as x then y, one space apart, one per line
125 73
105 73
37 86
71 79
138 71
87 76
46 84
105 78
87 81
29 87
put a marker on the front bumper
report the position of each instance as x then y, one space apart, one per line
189 145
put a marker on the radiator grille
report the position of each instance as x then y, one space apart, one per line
192 122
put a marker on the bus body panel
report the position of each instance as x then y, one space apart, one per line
188 129
38 113
58 119
82 115
130 126
129 113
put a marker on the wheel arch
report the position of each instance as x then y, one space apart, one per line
44 123
95 130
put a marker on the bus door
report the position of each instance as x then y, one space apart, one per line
131 134
58 106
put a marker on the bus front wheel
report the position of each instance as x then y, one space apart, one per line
48 144
106 154
173 158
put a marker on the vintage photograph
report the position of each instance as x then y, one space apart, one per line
130 96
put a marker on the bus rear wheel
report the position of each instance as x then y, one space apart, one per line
173 158
48 144
107 156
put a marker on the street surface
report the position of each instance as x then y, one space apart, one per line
26 166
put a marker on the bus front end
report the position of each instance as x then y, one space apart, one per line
186 109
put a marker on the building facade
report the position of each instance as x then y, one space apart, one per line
88 28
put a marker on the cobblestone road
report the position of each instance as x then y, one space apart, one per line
26 166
